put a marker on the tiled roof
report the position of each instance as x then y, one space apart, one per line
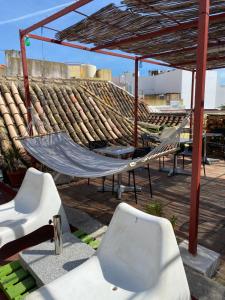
86 109
64 105
116 97
166 119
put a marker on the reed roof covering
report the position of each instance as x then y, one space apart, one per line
137 18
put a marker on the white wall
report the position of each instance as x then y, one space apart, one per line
169 82
186 88
210 89
177 81
220 92
220 96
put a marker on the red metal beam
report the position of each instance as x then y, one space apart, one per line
77 46
26 83
23 33
203 27
177 51
216 58
148 36
217 68
136 103
155 62
55 16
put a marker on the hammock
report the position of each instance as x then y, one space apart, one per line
61 154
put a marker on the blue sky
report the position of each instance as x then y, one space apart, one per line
9 32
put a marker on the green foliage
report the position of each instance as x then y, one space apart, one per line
173 220
156 209
11 160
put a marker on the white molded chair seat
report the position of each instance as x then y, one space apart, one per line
137 259
34 205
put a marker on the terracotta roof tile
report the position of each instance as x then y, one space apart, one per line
87 110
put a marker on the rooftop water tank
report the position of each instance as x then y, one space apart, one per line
88 71
74 71
105 74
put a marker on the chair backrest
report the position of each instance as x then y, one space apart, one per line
29 195
149 139
141 248
141 152
97 144
38 193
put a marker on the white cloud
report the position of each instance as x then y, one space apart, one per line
37 13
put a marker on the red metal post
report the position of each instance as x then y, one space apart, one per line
203 26
192 100
136 103
26 83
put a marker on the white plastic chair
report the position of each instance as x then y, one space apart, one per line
137 259
34 205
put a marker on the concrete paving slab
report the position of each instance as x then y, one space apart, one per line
205 262
83 221
45 266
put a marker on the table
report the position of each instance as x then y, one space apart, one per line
208 160
117 152
175 170
45 266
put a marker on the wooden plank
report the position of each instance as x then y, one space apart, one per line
9 268
13 278
20 288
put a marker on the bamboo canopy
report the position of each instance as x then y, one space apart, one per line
111 25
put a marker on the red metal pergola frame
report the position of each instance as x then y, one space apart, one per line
202 47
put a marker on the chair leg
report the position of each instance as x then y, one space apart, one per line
150 182
113 182
88 181
135 190
159 163
183 162
174 163
203 164
129 178
103 184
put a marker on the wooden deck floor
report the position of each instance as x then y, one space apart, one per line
173 193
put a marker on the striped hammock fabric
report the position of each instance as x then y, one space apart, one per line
61 154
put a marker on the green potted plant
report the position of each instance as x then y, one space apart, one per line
13 167
156 209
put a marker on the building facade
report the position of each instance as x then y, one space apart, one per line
173 88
